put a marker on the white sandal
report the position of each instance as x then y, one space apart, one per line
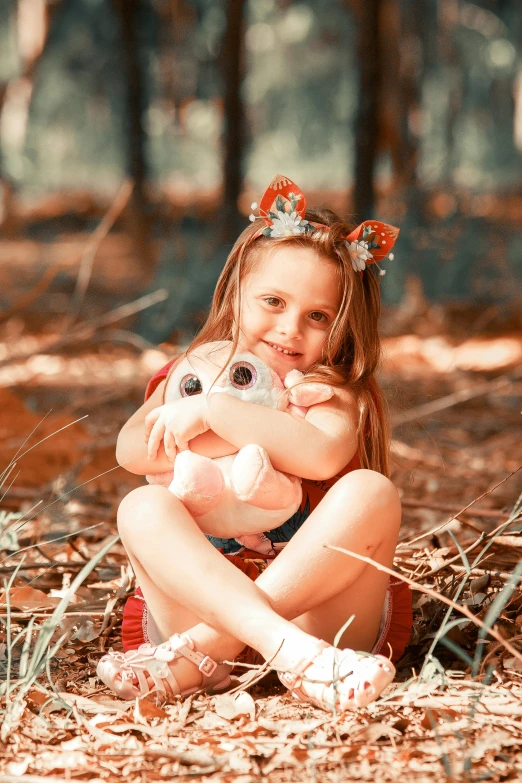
350 679
126 673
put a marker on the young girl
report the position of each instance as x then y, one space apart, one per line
296 292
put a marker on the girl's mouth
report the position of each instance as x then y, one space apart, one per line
283 351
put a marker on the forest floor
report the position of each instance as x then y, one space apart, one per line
451 714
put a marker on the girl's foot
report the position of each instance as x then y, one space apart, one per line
338 680
150 669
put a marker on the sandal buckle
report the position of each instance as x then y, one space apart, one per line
207 666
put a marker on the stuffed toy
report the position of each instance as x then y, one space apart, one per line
238 496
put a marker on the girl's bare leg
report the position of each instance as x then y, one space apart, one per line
319 589
318 586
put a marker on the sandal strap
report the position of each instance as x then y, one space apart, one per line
183 645
154 661
349 662
138 663
293 678
213 673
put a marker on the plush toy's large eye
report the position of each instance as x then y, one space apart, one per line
190 385
243 375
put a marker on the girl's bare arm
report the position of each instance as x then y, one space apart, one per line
316 447
131 449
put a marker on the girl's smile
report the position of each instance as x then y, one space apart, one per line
285 351
288 304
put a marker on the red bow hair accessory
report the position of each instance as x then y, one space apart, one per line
283 208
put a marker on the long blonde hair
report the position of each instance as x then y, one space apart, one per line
353 349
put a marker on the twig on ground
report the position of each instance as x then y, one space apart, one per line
86 329
433 594
46 614
457 557
463 395
404 451
71 565
459 571
51 540
439 527
93 245
25 301
256 677
492 513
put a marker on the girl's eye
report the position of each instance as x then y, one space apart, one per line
190 385
273 301
243 375
318 316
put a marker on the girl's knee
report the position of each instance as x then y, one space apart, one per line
144 506
373 488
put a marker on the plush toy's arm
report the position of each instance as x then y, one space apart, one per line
306 394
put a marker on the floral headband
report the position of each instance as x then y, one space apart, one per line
283 206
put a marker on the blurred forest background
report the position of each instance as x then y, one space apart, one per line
407 110
134 134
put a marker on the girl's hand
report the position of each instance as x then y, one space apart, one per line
176 423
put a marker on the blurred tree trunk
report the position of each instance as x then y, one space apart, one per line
413 23
367 120
447 50
136 214
390 131
8 219
413 17
32 21
234 119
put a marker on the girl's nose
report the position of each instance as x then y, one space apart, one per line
290 326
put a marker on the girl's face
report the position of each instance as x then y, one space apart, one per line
288 304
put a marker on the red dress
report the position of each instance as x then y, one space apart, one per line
396 621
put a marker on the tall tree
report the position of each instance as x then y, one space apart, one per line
413 18
31 21
232 56
369 58
128 12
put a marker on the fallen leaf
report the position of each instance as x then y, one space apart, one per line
145 708
374 732
496 739
76 743
35 699
27 599
86 632
18 768
85 704
230 706
271 707
433 716
285 728
119 728
210 722
512 664
71 759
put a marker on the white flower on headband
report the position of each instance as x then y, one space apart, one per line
287 225
359 254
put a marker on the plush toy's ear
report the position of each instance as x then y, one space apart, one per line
306 394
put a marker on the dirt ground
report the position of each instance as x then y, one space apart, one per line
437 721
